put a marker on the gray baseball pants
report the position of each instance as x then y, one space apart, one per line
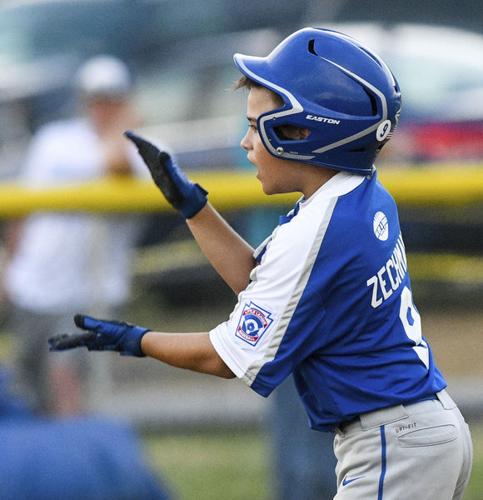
421 451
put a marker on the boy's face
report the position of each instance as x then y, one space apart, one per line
275 174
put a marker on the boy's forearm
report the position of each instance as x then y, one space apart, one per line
227 251
192 351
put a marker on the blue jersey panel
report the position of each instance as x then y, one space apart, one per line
354 341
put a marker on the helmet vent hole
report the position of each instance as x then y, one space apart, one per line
311 47
372 100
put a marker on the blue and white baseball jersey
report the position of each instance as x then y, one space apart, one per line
330 301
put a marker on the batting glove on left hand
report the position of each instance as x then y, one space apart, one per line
102 335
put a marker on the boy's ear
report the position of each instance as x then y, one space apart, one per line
290 132
304 133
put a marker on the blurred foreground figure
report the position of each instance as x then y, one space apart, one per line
81 458
62 262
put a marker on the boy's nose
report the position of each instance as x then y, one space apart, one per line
245 143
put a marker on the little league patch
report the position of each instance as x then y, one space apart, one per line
254 322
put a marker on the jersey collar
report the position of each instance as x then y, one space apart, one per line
338 185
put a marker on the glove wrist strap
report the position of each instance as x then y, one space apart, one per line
195 202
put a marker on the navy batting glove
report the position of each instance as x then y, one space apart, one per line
187 197
102 335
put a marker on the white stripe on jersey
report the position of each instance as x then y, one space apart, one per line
277 335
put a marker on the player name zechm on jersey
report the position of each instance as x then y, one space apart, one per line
388 279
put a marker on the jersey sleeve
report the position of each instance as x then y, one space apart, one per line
257 342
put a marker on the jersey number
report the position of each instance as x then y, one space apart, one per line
411 321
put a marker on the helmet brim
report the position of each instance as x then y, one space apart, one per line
258 69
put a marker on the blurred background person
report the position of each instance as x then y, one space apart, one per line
303 459
58 263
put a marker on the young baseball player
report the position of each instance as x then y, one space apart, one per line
327 297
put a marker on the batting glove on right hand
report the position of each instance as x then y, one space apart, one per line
187 197
102 335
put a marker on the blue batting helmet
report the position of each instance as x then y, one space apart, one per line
332 85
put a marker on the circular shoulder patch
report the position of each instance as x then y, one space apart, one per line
381 226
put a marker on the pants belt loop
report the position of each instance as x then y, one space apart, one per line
445 399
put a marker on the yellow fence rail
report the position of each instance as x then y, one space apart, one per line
424 187
429 186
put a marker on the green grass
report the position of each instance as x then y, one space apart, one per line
224 466
212 466
475 488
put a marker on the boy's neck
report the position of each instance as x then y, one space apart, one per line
315 178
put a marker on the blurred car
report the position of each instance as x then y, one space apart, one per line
42 42
182 54
442 116
189 101
440 71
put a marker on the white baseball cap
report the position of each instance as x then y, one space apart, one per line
103 76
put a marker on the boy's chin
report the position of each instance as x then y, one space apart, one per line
271 188
268 189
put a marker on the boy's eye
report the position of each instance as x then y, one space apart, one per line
253 127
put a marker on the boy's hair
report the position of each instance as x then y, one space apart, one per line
247 83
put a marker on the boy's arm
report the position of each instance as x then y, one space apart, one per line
228 253
192 351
